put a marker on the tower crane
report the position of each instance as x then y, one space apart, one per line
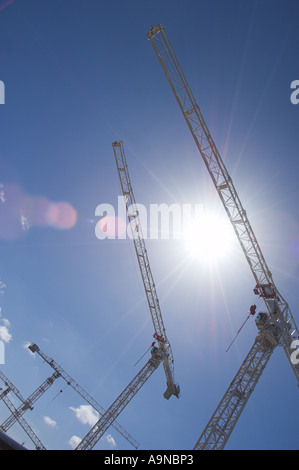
277 325
145 270
11 386
21 420
27 404
85 395
92 437
164 351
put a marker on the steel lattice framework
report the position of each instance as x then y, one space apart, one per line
225 417
145 270
85 395
90 440
21 420
29 402
279 314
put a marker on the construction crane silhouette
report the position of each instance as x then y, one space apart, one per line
17 413
161 354
276 325
85 395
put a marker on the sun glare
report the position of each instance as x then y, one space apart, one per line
209 237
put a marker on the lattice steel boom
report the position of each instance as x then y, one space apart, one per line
28 404
89 399
145 270
279 312
18 416
90 440
12 387
224 419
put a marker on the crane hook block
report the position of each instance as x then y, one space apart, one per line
252 309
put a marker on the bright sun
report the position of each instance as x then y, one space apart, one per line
209 237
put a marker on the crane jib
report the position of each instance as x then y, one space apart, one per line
144 266
279 326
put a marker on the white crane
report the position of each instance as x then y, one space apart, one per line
108 418
83 393
145 269
16 413
276 325
29 402
163 352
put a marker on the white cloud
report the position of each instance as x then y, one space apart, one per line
74 441
4 334
86 414
110 440
2 287
50 422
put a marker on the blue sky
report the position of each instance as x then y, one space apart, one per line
78 76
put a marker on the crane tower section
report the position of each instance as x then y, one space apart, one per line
98 430
16 412
277 307
145 270
83 393
221 424
28 404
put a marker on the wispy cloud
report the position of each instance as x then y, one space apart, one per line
50 422
110 440
5 336
2 287
86 414
6 322
74 441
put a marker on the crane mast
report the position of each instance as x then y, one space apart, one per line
23 423
92 437
85 395
12 387
27 404
144 265
21 420
221 424
278 314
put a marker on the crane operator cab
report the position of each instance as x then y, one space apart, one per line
261 320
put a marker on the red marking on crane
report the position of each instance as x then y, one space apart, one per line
159 338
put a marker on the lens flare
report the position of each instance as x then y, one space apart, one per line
62 215
20 212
